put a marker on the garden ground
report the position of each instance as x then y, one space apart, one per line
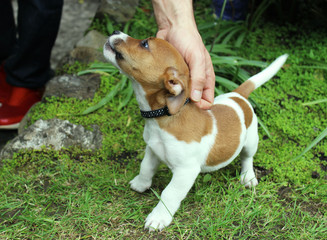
79 194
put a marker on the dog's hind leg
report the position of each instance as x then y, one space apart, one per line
148 168
250 147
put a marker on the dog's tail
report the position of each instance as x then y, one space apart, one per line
246 88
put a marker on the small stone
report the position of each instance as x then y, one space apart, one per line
55 134
83 87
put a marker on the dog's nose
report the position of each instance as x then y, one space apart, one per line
115 32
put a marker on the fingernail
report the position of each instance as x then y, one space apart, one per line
196 95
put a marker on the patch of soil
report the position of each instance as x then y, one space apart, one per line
261 172
323 165
314 208
6 217
5 136
285 192
315 174
289 96
124 158
323 159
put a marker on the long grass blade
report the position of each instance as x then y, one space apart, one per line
103 101
107 98
264 127
314 102
221 48
322 135
127 95
230 85
232 33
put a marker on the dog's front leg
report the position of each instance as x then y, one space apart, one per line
148 168
171 198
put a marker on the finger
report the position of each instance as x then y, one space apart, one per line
161 34
209 88
198 73
203 104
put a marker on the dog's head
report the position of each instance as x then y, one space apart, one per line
155 65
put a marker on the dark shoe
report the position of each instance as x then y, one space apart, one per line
14 109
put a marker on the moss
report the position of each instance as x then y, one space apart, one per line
292 125
121 130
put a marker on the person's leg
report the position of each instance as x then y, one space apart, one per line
234 10
7 41
27 68
38 22
8 29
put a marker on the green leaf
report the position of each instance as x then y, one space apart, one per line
240 39
230 85
109 27
322 135
264 127
103 101
221 48
207 178
127 95
314 102
126 27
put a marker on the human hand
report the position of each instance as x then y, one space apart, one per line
177 25
189 43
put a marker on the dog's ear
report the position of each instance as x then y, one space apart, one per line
175 84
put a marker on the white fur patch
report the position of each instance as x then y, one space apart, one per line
177 89
108 53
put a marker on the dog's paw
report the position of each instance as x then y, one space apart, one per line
139 184
249 180
157 220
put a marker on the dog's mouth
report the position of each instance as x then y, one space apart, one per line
110 47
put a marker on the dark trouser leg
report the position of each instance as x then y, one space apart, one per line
28 65
8 29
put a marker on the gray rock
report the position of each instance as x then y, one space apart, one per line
93 39
119 11
26 119
88 49
76 19
86 55
83 55
81 87
55 134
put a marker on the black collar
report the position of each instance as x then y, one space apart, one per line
159 112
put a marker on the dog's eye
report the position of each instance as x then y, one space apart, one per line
145 43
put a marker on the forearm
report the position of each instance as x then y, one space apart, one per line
171 13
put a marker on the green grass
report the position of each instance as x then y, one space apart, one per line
61 198
78 194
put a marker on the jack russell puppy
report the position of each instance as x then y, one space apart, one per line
187 139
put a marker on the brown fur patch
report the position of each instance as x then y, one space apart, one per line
191 124
228 137
248 114
245 89
135 57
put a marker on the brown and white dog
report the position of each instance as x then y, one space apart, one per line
187 139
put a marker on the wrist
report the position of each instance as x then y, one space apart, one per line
173 13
